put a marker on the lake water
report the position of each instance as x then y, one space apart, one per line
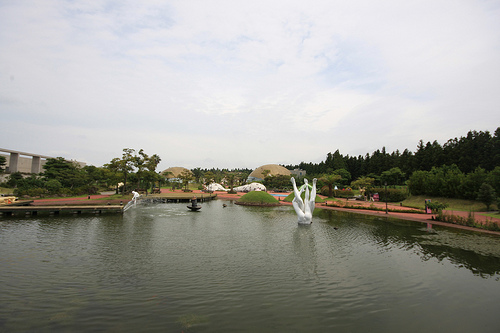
163 268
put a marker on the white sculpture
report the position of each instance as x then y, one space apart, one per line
304 208
136 195
216 187
250 187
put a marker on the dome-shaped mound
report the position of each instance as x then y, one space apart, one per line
274 170
257 198
174 172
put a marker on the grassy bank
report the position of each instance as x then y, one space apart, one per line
418 201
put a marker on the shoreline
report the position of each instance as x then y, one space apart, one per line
422 218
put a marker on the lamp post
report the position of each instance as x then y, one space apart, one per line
385 184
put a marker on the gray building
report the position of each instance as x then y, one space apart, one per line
26 163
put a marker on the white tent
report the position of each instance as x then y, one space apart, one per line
250 187
216 187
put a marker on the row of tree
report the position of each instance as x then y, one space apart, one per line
476 149
451 182
457 169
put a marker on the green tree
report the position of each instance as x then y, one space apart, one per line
277 182
494 179
3 162
363 183
231 179
186 176
344 174
122 167
330 180
487 195
53 186
394 176
66 172
14 179
198 174
209 177
473 182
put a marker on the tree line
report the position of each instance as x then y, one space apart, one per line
456 169
476 149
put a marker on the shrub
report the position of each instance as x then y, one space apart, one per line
436 206
53 186
393 194
346 193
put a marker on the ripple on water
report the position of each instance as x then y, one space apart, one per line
164 268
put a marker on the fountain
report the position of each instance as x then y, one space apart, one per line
194 205
304 208
132 202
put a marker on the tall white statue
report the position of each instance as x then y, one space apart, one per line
304 208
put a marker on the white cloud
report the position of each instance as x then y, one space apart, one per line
244 79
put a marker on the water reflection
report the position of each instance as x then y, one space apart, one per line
479 253
164 268
304 247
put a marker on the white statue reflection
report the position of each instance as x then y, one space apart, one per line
304 208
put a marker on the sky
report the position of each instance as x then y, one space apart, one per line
239 84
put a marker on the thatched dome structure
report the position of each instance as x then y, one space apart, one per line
274 170
174 172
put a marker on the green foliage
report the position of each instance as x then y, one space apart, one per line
329 180
345 176
186 176
417 201
436 206
277 182
66 172
486 195
450 182
392 194
3 162
476 149
14 179
394 176
363 183
344 193
467 221
53 186
494 179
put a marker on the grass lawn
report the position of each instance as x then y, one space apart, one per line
418 201
495 215
5 190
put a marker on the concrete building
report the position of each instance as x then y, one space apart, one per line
26 163
299 172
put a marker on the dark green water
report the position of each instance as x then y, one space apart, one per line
162 268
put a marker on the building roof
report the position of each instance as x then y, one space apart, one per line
274 170
175 172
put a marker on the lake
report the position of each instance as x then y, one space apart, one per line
163 268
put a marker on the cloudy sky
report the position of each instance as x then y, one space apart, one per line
243 83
